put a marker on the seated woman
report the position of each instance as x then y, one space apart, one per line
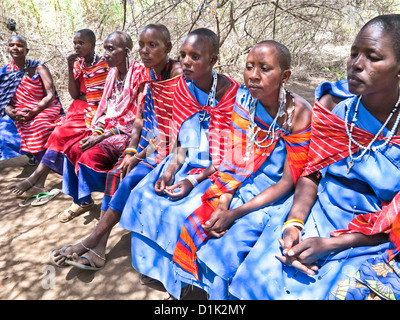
10 142
90 157
158 206
353 167
29 98
86 83
255 182
153 119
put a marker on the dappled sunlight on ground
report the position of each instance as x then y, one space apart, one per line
28 234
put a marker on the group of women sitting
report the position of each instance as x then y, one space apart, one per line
245 191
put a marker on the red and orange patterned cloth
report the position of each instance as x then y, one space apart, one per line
232 172
330 143
94 78
186 105
35 132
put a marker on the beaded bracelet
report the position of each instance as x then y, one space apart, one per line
136 157
130 151
114 131
193 180
152 144
293 222
98 131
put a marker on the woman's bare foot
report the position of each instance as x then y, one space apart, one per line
89 259
21 187
59 256
30 192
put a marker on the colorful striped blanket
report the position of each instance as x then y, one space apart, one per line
386 220
160 96
35 132
9 81
121 113
94 79
186 105
232 172
329 143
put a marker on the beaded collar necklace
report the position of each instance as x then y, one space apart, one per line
211 96
253 129
369 146
93 61
119 86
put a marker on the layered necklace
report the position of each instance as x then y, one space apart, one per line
270 134
211 96
369 147
118 88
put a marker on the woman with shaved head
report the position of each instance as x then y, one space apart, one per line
340 239
28 97
86 78
88 160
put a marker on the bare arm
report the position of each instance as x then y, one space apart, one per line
305 196
131 161
49 88
73 84
222 218
48 96
166 180
304 255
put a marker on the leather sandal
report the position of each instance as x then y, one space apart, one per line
73 211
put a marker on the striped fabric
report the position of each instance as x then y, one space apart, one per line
386 220
9 81
185 105
34 133
232 172
80 113
163 97
329 142
157 115
119 114
157 109
94 78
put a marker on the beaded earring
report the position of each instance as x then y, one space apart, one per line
282 99
128 58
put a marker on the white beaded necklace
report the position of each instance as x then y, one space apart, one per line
93 61
119 86
253 129
369 146
211 95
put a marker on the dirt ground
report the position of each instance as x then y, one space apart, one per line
28 234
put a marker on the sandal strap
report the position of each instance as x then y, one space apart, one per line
37 196
44 195
94 252
92 264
